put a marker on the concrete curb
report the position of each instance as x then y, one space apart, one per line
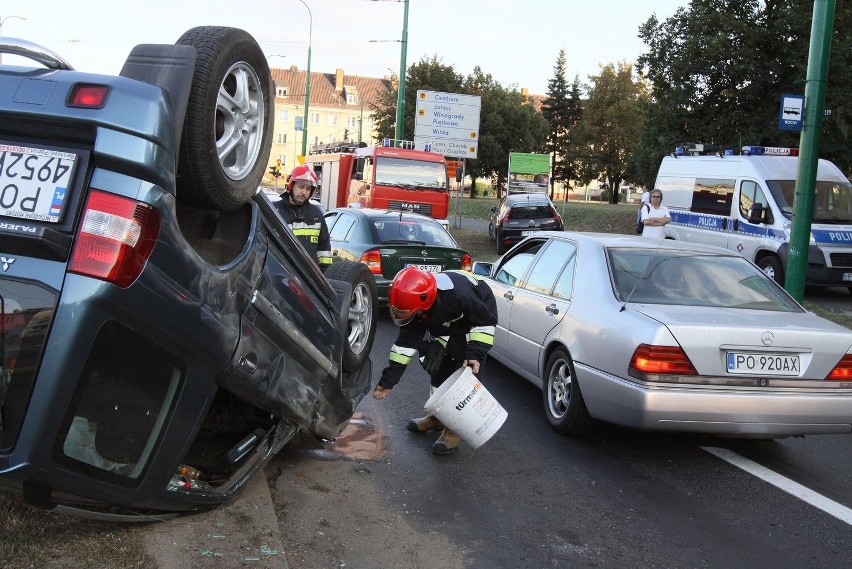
241 534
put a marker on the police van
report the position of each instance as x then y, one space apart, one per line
745 203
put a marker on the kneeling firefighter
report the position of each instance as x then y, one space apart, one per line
459 314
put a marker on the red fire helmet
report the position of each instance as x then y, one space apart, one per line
412 291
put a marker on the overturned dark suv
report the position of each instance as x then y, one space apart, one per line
163 334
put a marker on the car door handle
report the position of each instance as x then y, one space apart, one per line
552 309
508 295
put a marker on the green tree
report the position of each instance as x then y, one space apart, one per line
718 69
556 109
426 74
611 127
508 122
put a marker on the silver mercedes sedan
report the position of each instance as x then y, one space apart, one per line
665 336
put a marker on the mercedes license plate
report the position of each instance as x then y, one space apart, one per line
763 364
34 182
428 268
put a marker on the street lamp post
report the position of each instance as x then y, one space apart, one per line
307 83
400 100
1 27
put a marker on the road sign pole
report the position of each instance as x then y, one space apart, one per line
400 100
803 202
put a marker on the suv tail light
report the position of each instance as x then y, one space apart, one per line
116 236
88 96
467 263
661 360
842 371
373 259
556 217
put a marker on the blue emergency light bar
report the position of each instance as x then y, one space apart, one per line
769 151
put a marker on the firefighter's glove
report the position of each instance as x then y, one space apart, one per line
433 357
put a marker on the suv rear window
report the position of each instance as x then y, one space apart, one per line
530 211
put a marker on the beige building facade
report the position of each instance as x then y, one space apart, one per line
340 110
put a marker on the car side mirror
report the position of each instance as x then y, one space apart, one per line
482 269
759 214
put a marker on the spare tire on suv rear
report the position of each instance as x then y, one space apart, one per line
229 119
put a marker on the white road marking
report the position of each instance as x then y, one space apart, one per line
828 506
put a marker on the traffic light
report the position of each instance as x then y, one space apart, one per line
275 171
346 134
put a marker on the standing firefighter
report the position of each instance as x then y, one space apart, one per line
459 314
305 218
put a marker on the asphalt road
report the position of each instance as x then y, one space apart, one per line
532 498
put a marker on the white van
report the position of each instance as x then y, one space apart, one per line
745 203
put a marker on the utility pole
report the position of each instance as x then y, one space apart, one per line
307 83
803 202
399 135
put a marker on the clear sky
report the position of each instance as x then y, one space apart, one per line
517 42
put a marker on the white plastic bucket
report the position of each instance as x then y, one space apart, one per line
464 405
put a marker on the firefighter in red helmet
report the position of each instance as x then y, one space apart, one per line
305 218
457 314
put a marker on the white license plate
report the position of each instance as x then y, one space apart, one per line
428 268
763 364
846 277
529 232
34 182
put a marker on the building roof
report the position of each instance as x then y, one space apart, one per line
329 89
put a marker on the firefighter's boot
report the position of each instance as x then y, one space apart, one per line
447 443
424 424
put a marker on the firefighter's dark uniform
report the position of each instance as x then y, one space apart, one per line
308 225
462 318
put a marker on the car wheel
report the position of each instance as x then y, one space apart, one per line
227 132
361 323
563 403
771 265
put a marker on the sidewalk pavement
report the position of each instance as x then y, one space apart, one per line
241 534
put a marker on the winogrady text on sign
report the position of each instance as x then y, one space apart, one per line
448 122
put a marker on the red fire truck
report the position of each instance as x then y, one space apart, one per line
382 177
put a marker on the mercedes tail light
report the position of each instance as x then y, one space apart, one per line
373 259
661 360
842 371
467 263
116 236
